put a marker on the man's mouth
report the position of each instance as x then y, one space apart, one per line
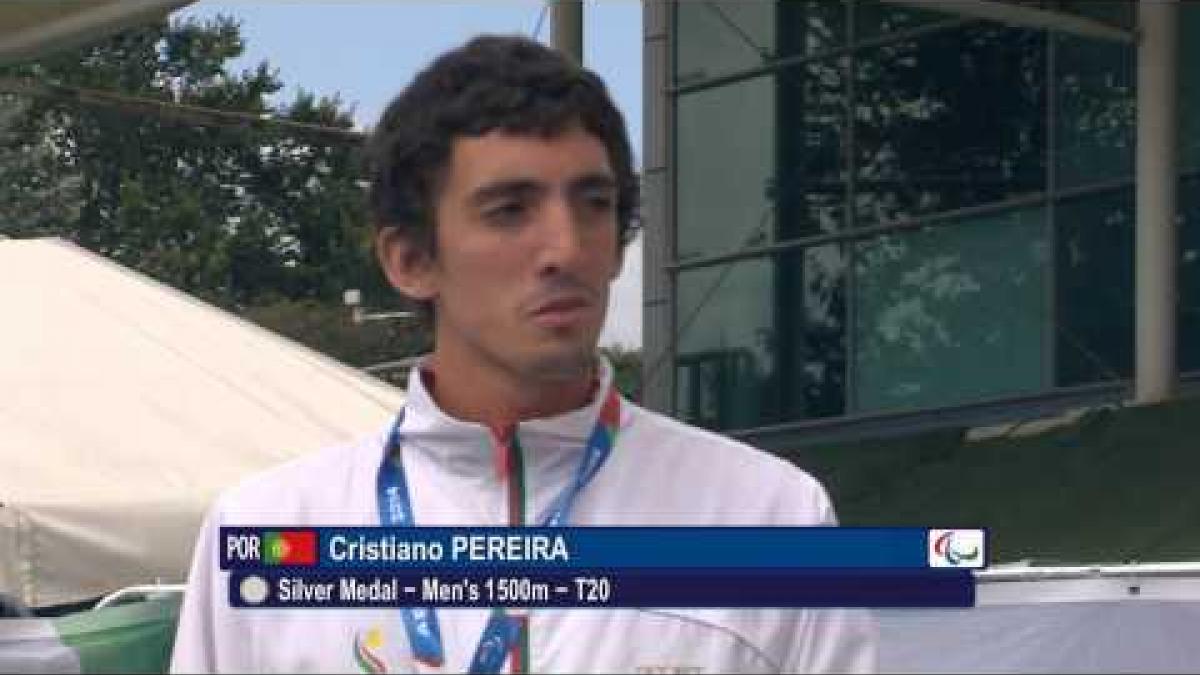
561 312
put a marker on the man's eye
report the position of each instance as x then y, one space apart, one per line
505 214
601 202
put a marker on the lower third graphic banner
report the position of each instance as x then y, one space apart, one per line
666 567
662 588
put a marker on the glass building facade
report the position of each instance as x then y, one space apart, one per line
873 210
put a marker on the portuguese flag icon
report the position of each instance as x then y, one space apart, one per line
290 547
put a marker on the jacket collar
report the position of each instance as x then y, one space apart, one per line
552 445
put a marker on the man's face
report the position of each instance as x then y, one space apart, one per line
526 247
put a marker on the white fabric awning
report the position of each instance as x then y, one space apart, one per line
33 28
127 405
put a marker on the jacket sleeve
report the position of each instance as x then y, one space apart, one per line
209 629
836 640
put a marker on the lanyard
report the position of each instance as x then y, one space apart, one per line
502 630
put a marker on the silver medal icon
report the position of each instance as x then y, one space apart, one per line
254 590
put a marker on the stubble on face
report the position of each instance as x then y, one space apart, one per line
504 278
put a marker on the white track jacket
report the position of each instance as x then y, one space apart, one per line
660 472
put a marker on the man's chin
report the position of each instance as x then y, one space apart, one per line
562 365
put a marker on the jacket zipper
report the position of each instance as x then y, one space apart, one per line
515 470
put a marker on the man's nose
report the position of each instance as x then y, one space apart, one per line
562 241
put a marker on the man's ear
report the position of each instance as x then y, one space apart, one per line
408 267
620 262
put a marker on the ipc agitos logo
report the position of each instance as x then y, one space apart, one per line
957 548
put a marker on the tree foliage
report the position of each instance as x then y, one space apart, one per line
627 370
247 216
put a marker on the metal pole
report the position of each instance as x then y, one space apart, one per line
658 247
567 28
1156 176
1022 14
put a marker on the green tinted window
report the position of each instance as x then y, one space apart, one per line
729 36
951 314
1094 331
1095 113
950 120
763 340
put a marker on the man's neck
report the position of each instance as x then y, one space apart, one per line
497 398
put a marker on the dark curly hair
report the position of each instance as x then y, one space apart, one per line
493 82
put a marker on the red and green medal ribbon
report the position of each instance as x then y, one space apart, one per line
503 633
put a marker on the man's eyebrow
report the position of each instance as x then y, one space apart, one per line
503 188
593 181
514 187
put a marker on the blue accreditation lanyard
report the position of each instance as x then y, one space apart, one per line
502 630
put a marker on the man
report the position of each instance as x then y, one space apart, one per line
503 192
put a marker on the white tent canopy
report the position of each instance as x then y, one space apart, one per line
127 405
33 28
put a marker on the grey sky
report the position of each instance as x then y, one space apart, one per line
367 51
